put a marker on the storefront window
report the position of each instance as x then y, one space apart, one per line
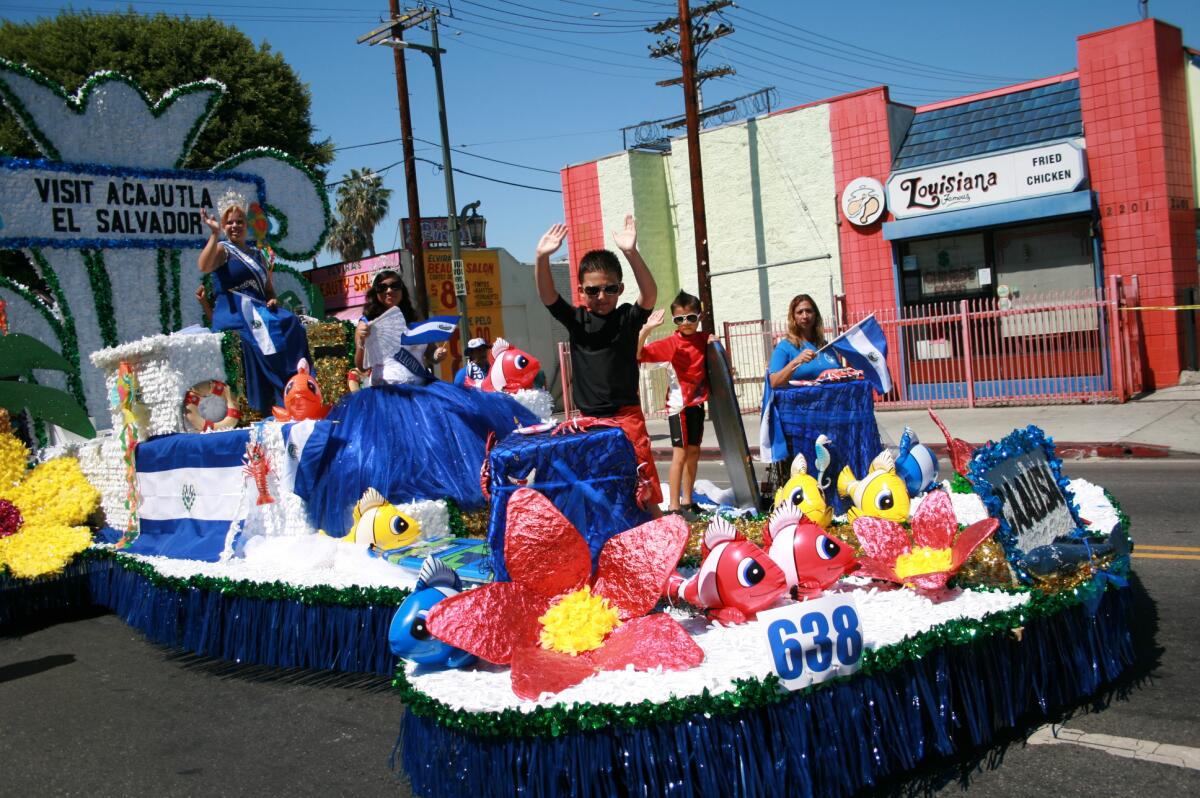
944 268
1037 259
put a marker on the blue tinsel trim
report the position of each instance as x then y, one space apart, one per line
989 456
22 599
251 631
828 742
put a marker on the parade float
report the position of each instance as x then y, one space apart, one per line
547 636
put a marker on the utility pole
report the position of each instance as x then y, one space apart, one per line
416 245
387 35
685 49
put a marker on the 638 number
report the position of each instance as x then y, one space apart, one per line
792 655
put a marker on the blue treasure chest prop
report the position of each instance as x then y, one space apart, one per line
591 477
843 411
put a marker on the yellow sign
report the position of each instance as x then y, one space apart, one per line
485 317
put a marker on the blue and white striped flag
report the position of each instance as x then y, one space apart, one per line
772 445
434 329
864 346
264 325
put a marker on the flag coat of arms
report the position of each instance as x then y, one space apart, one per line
864 347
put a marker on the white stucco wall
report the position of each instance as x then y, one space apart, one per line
770 197
527 324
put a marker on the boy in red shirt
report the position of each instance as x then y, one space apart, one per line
604 340
685 351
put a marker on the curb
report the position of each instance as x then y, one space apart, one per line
1067 450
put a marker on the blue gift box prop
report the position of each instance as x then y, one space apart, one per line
829 741
843 411
591 477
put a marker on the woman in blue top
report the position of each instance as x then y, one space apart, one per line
273 340
796 356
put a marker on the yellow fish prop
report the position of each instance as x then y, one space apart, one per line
804 493
880 494
379 524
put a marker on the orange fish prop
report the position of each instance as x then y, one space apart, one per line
301 397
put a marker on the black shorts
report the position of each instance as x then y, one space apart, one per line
687 427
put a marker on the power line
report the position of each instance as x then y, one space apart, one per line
569 31
494 160
492 179
594 23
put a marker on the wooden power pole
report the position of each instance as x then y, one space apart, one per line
416 245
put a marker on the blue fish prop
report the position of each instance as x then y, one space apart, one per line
408 636
916 463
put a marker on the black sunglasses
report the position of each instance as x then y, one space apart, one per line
390 286
689 317
594 290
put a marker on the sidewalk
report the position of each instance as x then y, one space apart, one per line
1164 423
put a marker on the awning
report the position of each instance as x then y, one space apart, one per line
1055 205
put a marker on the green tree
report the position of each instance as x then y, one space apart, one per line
362 202
266 104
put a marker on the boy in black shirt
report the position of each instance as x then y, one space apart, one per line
604 339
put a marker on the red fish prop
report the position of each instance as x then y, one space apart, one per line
811 559
301 397
960 451
512 370
736 579
257 466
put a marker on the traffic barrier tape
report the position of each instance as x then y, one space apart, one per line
1164 307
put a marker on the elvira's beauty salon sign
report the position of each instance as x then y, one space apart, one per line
1021 174
43 203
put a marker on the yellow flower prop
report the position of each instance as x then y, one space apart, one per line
54 500
42 549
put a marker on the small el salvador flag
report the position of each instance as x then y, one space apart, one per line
431 331
864 347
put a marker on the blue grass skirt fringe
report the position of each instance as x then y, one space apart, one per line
23 599
826 742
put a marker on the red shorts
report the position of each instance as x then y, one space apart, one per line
633 423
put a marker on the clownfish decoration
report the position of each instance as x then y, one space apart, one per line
803 492
811 559
736 579
880 494
380 525
916 463
409 637
301 397
512 370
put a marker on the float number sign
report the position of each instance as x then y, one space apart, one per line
813 641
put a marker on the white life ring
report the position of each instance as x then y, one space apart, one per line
203 390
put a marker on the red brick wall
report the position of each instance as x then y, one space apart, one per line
1134 100
858 124
581 211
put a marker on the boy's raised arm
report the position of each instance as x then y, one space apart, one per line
547 246
626 241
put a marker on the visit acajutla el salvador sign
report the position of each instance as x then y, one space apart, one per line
1020 174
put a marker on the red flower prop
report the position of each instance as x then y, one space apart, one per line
556 623
10 518
932 557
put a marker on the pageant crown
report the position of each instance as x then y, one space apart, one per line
230 199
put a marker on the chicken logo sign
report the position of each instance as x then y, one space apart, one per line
863 201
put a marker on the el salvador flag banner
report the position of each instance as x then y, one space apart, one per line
864 346
433 330
264 325
772 444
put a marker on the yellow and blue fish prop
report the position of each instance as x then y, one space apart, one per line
803 492
378 524
880 494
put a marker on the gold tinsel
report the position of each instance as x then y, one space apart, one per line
5 423
329 338
475 523
330 373
1069 579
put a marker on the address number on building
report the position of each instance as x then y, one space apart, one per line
813 641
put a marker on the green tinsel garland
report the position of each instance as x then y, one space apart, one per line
69 337
748 693
960 484
164 300
458 529
316 302
106 318
350 328
316 595
231 350
176 310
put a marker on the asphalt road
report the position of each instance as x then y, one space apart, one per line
87 707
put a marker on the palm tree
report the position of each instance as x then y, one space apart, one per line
362 202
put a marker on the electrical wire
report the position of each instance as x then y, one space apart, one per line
490 179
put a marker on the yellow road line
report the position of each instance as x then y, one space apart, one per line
1149 556
1169 548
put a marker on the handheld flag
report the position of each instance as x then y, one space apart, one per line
864 346
433 330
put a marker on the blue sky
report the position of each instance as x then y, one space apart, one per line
545 83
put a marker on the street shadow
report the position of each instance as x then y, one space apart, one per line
266 674
938 774
40 620
32 667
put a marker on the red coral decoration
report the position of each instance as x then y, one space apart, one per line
548 560
889 554
10 518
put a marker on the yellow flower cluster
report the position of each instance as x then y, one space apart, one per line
578 622
42 549
13 460
55 500
56 493
923 560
